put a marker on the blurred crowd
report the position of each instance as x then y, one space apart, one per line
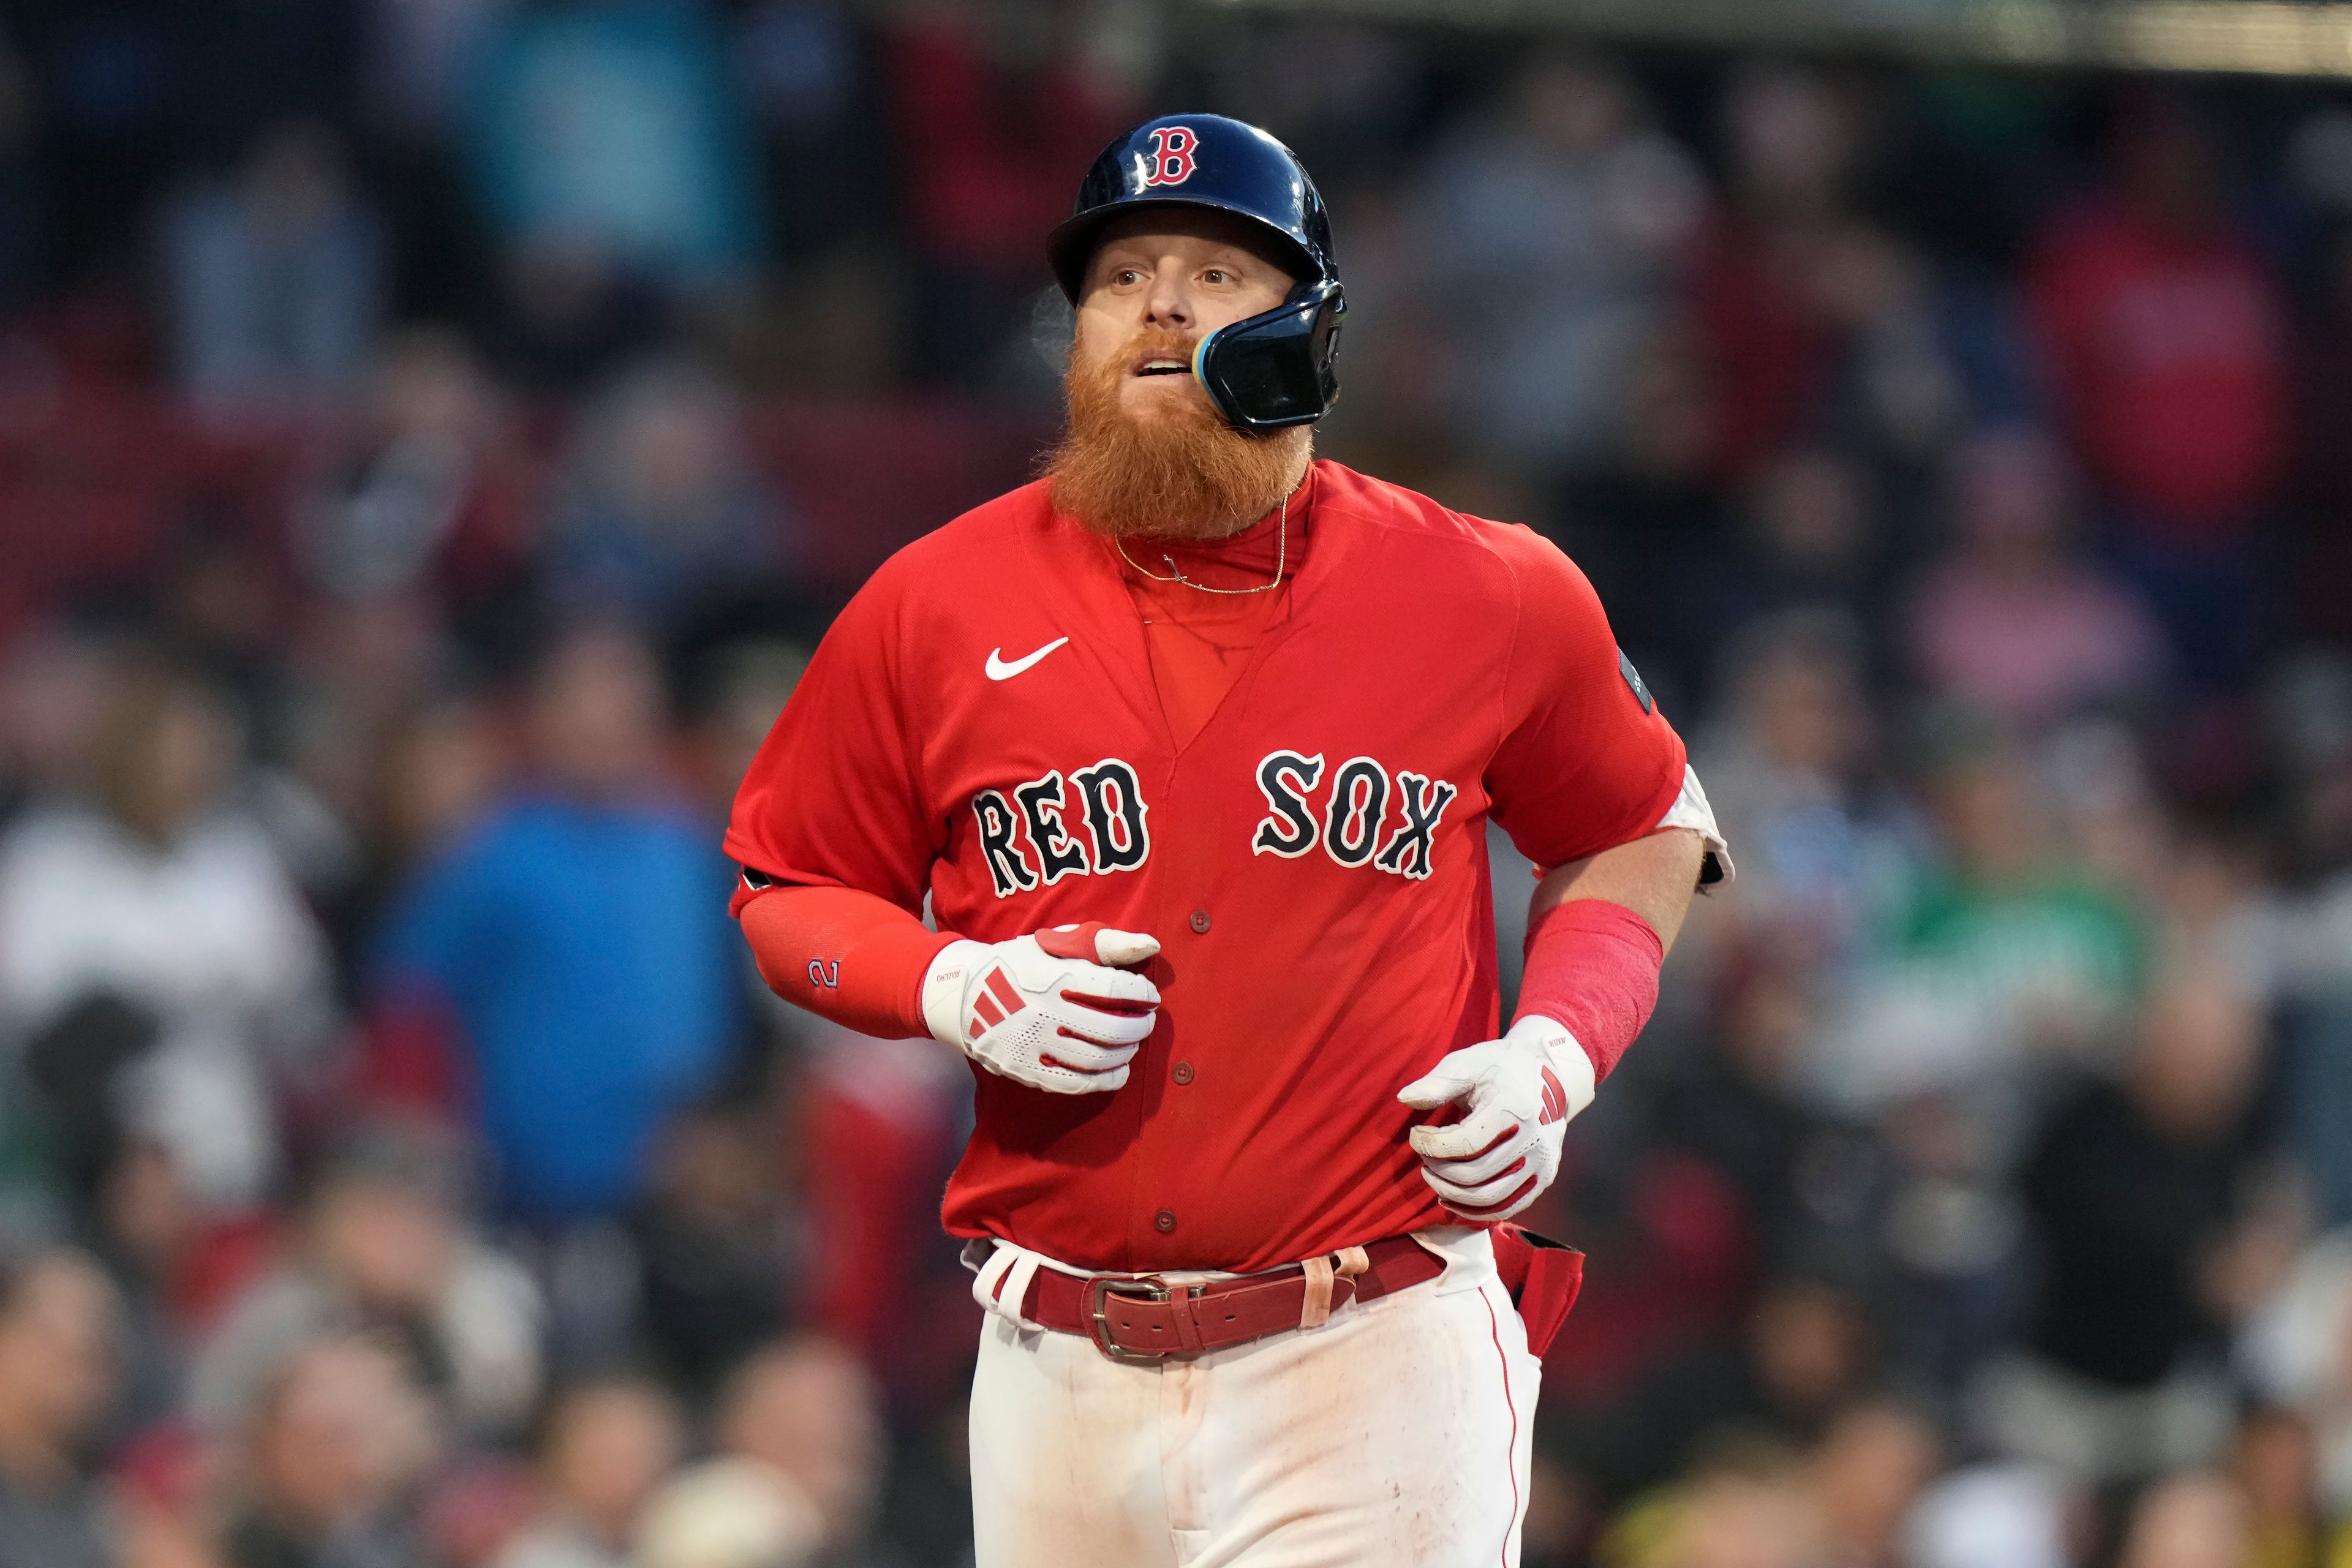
434 433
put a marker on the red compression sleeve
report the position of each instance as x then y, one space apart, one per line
845 955
1593 966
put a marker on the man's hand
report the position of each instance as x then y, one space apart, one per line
1520 1093
1056 1010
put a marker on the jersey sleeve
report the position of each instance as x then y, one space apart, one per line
834 799
1586 761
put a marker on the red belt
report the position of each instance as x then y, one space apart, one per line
1143 1317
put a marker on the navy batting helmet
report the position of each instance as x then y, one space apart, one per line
1272 370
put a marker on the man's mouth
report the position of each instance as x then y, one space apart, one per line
1163 365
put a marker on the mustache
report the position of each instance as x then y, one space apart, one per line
1158 342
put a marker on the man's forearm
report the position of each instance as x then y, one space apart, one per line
1655 877
847 956
1598 931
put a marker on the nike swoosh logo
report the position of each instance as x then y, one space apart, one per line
999 670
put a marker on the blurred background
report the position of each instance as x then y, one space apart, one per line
434 433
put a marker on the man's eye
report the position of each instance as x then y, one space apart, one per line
1217 275
1127 275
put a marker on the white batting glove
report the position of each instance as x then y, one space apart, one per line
1056 1010
1519 1091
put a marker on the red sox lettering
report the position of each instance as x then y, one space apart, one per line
1353 813
1038 832
1114 837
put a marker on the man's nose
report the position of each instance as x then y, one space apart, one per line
1168 305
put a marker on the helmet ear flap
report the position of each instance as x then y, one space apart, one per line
1280 367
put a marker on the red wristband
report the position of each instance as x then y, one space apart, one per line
1592 966
848 956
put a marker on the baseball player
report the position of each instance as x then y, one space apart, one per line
1192 745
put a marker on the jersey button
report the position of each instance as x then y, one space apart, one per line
1164 1221
1200 923
1182 1073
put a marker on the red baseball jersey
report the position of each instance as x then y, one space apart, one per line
981 725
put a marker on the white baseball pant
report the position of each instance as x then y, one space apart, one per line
1395 1436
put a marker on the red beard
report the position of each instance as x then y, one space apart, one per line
1183 473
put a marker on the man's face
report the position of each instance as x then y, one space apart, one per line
57 1349
1172 273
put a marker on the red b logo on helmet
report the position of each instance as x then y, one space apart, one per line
1172 147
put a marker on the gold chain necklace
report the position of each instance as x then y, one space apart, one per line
1176 573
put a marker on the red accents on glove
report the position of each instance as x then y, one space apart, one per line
845 955
1076 942
1592 966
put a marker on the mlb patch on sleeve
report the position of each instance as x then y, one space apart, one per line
1633 680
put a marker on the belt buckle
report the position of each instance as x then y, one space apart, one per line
1142 1288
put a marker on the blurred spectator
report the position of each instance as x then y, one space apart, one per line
1552 233
1792 143
569 318
607 1446
2135 1190
2274 1466
997 113
806 1409
2002 959
661 514
2012 624
1810 1182
564 975
58 1324
1803 1352
877 1125
337 1444
808 71
2298 1353
730 1513
603 141
2122 837
607 132
159 971
383 1251
2162 331
1992 1516
420 58
1868 1470
429 498
1744 1507
2194 1521
1813 536
1997 963
1787 753
1645 524
712 1236
168 1267
53 689
1895 387
276 278
443 768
